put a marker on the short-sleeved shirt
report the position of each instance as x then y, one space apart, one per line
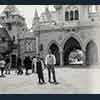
50 59
2 64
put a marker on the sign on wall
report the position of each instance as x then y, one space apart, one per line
29 45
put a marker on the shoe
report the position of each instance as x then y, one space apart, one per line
56 83
40 83
44 82
26 73
2 75
49 81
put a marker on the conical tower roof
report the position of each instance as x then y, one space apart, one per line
57 6
46 9
36 14
48 14
36 17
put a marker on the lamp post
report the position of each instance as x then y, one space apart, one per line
38 41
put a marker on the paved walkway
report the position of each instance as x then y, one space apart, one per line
71 80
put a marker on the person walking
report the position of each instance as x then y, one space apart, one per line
8 65
27 64
19 66
40 71
2 66
50 62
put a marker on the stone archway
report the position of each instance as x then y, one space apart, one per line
55 50
70 45
91 53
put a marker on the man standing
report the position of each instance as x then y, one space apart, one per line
40 70
50 61
8 65
26 65
2 66
19 66
34 60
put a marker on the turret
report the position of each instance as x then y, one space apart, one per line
47 13
36 18
12 21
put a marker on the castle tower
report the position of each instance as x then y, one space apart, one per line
11 19
15 25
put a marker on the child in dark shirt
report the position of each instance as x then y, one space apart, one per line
40 71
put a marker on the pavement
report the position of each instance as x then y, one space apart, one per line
71 81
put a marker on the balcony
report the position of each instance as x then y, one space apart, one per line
71 23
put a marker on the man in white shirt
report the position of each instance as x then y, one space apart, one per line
50 62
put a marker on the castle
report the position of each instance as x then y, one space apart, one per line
68 28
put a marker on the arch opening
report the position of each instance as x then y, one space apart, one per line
55 50
91 53
72 45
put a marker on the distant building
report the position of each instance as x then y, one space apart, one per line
14 23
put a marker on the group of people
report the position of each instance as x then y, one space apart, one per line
37 64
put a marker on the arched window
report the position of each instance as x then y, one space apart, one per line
71 15
66 16
92 9
76 15
41 47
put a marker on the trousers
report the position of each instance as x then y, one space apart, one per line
51 70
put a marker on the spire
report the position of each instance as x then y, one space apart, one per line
57 7
47 12
36 17
46 9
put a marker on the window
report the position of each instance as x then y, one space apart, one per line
76 15
2 18
9 26
71 15
3 39
7 14
41 47
13 38
13 16
92 9
66 16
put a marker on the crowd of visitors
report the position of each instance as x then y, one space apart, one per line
35 63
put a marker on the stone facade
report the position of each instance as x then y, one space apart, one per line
68 28
69 31
14 23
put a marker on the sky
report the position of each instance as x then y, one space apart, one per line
28 11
